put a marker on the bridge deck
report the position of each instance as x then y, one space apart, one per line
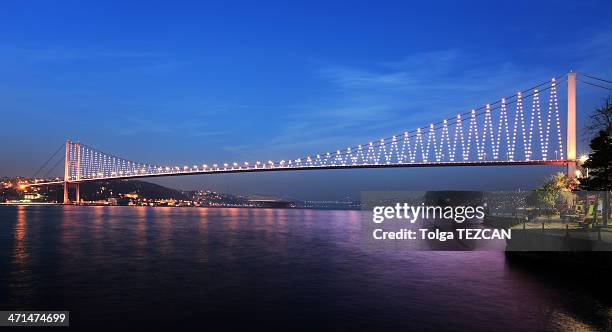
193 171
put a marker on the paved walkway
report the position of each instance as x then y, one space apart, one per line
573 230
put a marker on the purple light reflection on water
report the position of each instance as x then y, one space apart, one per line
279 268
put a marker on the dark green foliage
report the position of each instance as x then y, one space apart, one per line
105 189
599 164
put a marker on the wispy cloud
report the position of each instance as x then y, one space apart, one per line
141 125
131 126
64 54
386 98
591 53
145 61
424 75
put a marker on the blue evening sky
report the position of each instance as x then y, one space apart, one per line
202 82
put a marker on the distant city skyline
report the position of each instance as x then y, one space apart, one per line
216 82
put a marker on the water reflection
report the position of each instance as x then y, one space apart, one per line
20 254
202 217
267 265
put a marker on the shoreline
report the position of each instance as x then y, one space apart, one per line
161 206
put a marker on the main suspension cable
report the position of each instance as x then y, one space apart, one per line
48 160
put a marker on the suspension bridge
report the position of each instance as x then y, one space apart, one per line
526 128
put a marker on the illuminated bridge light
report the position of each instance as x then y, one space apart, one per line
516 128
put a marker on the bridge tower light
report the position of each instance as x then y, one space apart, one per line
571 124
67 171
72 169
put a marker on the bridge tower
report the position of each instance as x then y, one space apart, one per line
68 163
571 124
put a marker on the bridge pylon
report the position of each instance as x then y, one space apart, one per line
571 124
76 164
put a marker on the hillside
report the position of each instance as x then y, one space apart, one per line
105 189
101 190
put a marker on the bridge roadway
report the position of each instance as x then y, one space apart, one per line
262 168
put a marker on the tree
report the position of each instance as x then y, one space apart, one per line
555 190
601 119
599 169
599 164
561 183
